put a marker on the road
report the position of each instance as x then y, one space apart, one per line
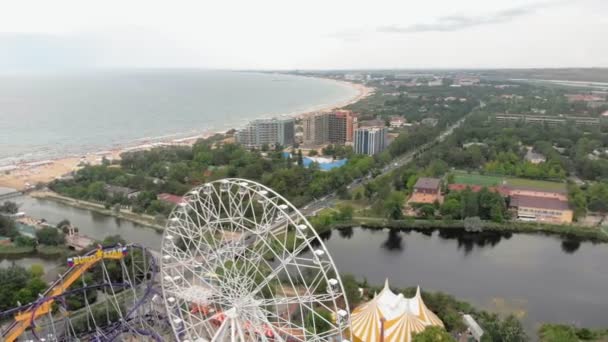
330 200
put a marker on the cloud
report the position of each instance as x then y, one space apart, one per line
460 22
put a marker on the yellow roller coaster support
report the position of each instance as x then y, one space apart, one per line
24 318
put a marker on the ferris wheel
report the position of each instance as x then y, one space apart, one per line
241 263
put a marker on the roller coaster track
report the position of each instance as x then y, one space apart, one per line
25 315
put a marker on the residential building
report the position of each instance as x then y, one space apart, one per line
335 127
538 209
116 191
427 190
584 98
370 140
561 195
397 121
267 132
548 119
438 82
171 199
534 157
429 122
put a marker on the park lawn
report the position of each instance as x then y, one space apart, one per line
532 183
476 179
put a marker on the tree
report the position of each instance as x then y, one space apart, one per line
427 211
37 270
345 212
9 207
393 206
351 290
300 158
312 153
63 223
451 208
557 333
318 320
473 224
50 236
24 241
8 228
432 334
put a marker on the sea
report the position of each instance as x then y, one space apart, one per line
46 116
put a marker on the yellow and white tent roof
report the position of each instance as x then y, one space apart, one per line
402 316
365 321
401 328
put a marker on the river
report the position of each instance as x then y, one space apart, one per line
543 278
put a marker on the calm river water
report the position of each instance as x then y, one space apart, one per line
544 278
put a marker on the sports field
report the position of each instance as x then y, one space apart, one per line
485 180
476 179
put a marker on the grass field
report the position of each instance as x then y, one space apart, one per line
476 179
485 180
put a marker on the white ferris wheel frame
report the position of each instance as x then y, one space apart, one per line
175 269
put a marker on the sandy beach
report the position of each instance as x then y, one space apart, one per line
24 176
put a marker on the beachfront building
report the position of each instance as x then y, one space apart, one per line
391 317
539 209
370 140
426 190
267 132
336 127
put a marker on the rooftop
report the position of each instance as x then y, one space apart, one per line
170 198
427 183
538 202
113 189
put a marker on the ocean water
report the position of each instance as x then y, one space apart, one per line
52 115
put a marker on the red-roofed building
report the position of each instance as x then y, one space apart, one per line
477 188
583 98
171 199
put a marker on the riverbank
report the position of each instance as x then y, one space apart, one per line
25 175
569 231
141 219
37 251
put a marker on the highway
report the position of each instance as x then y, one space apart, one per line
330 200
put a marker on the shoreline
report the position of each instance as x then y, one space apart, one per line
24 175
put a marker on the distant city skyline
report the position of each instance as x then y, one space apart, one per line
67 34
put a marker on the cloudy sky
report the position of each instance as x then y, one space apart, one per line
312 34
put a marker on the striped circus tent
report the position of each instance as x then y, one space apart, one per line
402 328
393 316
366 321
425 314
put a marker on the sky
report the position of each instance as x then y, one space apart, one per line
312 34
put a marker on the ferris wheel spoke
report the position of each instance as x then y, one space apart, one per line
240 250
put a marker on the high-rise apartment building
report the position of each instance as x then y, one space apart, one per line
335 127
267 132
370 140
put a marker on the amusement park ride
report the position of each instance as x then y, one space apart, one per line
237 262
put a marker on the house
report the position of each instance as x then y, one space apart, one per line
115 191
397 121
427 190
534 157
171 199
429 122
538 209
583 98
